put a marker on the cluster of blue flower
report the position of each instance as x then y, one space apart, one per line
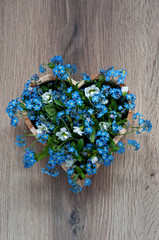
13 109
21 141
44 128
60 70
110 72
134 143
74 100
76 188
86 77
29 158
32 98
121 147
131 104
56 158
144 124
78 125
91 168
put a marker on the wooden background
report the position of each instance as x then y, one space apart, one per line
123 201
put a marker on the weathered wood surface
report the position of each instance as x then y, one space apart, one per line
123 201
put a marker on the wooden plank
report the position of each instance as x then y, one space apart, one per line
122 202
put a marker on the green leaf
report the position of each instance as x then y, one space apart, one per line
43 153
80 145
42 156
51 65
44 88
82 175
22 105
96 123
53 120
101 78
55 129
78 169
50 140
76 87
79 158
69 119
59 102
98 84
114 105
109 120
50 110
75 177
73 144
114 149
92 135
112 143
49 106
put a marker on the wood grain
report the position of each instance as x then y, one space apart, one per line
123 201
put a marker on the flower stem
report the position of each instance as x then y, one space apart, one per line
29 135
66 126
127 133
64 142
33 142
70 79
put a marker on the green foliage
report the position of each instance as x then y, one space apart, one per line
114 105
69 119
44 153
59 102
52 141
78 170
76 87
44 88
98 84
101 77
79 158
75 177
51 65
52 112
82 175
22 105
73 144
80 145
112 143
113 146
50 109
96 123
114 149
92 135
56 129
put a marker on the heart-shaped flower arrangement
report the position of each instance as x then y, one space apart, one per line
79 123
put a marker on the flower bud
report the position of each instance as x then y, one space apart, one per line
124 90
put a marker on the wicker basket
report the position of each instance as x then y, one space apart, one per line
48 78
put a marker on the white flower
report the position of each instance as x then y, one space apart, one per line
90 91
77 130
42 128
104 101
104 126
94 159
124 90
47 97
69 162
63 134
